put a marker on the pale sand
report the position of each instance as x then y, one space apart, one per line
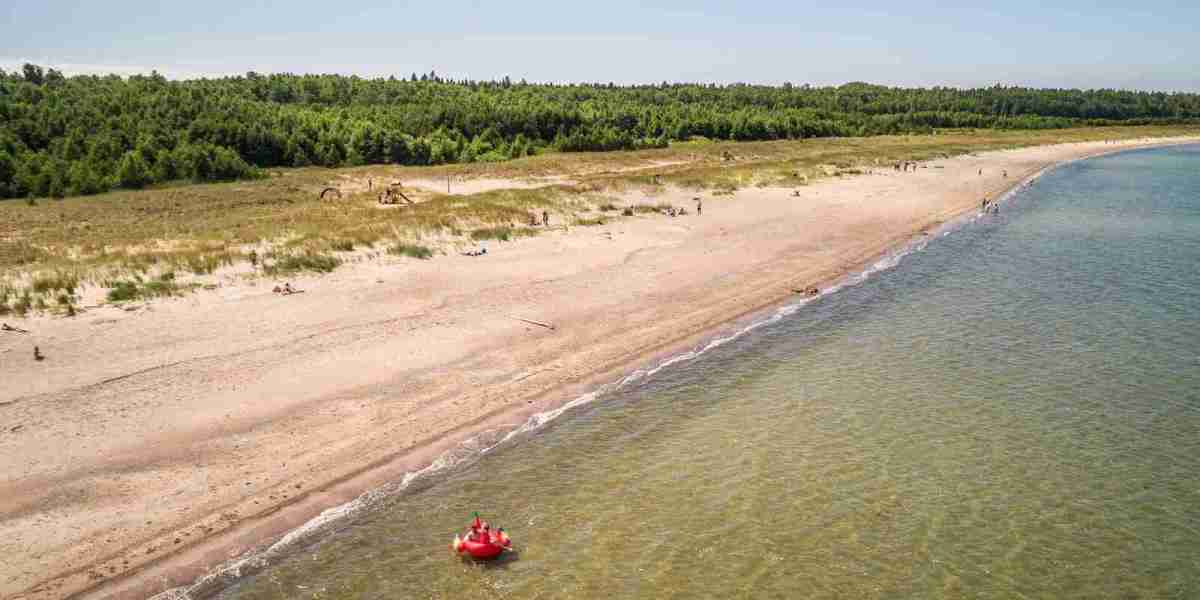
150 445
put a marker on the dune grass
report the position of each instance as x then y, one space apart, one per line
294 263
503 233
137 288
279 224
411 251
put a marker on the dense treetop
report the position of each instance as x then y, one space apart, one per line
81 135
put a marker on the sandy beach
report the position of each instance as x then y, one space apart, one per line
155 443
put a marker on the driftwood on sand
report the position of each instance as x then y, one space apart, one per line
532 322
335 191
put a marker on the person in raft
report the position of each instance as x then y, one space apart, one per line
478 532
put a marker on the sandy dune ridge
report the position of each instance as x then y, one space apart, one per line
152 445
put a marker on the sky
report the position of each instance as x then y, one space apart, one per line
1150 44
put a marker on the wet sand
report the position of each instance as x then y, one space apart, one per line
155 443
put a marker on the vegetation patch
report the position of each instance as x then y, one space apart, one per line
651 208
206 264
502 233
342 245
411 251
137 288
19 253
280 224
308 261
144 130
57 281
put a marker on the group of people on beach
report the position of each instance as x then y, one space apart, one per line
679 211
989 205
482 532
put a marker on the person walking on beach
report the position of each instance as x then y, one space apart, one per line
699 206
545 218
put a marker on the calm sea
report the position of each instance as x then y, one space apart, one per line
1013 411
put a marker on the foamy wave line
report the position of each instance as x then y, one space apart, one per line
475 447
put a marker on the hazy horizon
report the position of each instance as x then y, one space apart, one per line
916 44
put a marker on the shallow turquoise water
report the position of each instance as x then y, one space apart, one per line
1011 412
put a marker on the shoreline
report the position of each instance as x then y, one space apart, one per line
171 569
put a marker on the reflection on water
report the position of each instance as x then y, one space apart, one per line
1012 412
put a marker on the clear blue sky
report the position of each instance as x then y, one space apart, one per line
1151 44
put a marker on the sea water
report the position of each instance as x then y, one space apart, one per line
1013 411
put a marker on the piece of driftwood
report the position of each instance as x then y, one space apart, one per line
336 191
532 322
7 327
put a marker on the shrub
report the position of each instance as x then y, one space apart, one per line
122 291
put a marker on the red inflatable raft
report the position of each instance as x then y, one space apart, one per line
481 541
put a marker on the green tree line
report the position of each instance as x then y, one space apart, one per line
64 136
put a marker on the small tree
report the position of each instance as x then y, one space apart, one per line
133 172
33 74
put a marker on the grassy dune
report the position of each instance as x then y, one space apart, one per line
164 241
